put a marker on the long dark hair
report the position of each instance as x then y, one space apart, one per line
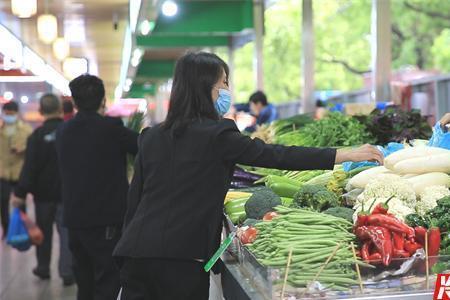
190 98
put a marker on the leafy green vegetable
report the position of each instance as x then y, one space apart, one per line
341 212
440 215
335 130
316 197
283 126
396 125
439 268
414 220
261 202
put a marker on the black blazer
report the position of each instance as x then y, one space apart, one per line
175 201
40 174
92 152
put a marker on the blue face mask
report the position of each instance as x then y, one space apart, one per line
8 119
223 102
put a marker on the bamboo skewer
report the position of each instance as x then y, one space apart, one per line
321 269
427 278
357 269
286 273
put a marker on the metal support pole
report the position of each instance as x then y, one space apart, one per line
231 66
307 63
381 50
258 62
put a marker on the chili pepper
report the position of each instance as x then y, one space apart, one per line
420 234
412 247
363 215
365 251
390 223
381 238
401 254
434 243
382 208
375 258
399 241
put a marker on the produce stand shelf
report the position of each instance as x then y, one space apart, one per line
240 282
243 277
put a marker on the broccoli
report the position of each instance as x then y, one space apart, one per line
316 197
341 212
261 202
250 222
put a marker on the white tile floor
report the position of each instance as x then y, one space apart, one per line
18 283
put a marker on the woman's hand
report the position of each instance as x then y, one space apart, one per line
363 153
445 120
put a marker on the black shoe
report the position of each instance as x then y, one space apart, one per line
68 281
42 275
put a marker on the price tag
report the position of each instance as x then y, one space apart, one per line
219 251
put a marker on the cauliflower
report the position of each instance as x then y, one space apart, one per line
429 197
388 185
380 189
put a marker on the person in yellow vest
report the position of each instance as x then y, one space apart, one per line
13 139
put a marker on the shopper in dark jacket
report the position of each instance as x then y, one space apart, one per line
182 173
40 177
92 151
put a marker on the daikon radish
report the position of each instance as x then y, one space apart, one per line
360 180
420 182
422 165
412 152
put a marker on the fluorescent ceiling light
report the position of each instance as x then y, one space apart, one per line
24 99
169 8
8 95
135 7
21 79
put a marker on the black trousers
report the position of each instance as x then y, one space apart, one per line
95 271
6 188
163 279
48 213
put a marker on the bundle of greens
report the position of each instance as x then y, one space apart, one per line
396 125
335 130
283 126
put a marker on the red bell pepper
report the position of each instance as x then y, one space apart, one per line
382 208
380 237
391 223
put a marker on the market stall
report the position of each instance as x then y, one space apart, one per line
360 231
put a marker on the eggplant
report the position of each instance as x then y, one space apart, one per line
240 174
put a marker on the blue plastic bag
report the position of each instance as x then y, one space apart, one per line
17 236
389 149
440 138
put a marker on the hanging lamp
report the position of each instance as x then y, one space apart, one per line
24 8
47 26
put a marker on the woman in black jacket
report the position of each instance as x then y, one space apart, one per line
182 173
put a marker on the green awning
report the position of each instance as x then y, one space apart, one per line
159 41
155 69
142 90
212 17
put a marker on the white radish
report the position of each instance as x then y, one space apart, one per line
421 182
426 164
362 179
412 152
